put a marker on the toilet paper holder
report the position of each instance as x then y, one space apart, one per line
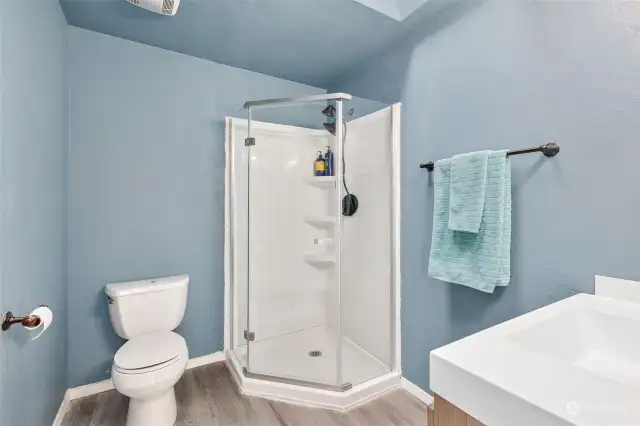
8 319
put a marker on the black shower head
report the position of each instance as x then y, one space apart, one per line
329 111
331 128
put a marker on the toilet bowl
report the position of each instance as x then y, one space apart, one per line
146 369
151 362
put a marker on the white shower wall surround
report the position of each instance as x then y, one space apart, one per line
367 243
288 253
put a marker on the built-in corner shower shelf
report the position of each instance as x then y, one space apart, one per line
323 182
321 260
321 221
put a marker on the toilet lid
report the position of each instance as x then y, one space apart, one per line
149 350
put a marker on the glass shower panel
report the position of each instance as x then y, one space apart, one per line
236 213
292 253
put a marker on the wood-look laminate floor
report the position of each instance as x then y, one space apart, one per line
208 396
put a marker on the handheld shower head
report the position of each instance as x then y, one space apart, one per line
349 201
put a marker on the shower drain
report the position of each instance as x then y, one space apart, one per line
315 354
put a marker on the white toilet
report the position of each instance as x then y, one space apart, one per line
148 366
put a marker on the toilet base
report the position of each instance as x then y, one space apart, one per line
158 411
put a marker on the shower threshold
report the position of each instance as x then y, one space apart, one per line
287 357
284 370
297 382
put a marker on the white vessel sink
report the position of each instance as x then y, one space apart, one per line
576 362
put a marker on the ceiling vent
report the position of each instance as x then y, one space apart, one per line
164 7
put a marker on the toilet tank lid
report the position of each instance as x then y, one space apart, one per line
146 286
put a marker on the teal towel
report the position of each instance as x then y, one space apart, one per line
467 191
483 260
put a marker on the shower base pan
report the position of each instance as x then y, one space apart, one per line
280 361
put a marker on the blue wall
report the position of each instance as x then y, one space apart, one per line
307 41
513 74
146 182
33 156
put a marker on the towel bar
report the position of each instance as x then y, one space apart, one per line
549 150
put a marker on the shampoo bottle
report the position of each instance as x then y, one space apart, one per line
328 159
319 166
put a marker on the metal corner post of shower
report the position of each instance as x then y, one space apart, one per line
310 274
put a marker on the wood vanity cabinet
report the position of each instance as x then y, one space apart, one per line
445 413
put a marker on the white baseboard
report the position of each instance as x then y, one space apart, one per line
107 385
64 407
90 389
206 359
417 391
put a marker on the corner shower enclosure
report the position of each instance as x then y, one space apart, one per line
312 295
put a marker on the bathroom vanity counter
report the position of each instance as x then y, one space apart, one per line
575 362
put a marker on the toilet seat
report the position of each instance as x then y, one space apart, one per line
149 352
149 369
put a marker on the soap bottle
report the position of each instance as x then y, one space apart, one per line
319 166
328 159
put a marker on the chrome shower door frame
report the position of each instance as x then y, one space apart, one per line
249 143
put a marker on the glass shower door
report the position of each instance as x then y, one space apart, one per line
293 251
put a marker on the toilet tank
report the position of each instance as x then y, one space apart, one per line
147 306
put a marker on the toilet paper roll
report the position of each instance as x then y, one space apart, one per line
46 318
